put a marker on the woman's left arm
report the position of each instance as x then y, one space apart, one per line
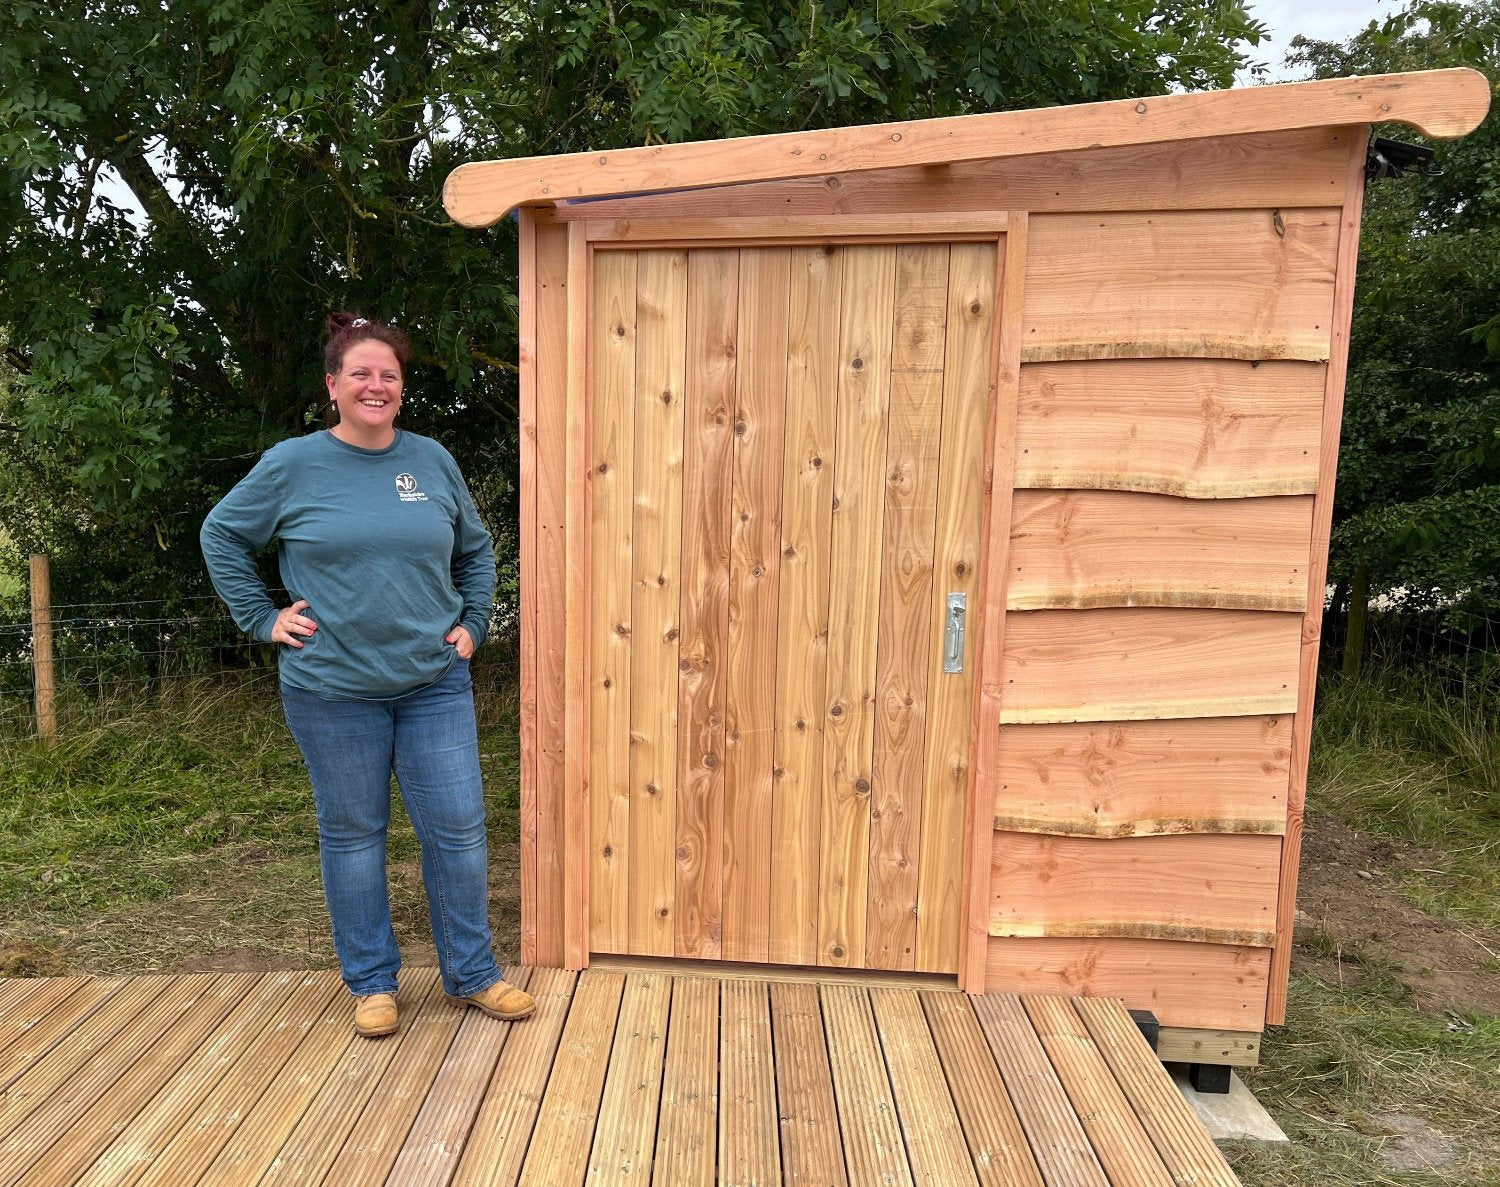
473 570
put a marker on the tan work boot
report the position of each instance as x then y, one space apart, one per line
375 1015
500 1000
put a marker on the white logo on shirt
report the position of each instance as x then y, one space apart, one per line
406 489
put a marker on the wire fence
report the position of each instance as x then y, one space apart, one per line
116 658
113 659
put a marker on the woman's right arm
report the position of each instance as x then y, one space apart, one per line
245 521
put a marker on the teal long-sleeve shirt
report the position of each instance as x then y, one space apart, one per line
384 544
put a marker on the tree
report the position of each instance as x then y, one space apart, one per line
1419 474
189 187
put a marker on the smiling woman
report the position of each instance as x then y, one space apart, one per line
393 578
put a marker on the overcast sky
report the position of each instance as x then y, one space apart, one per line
1324 20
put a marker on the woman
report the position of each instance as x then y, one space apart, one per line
392 578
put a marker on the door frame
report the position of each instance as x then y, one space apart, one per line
586 236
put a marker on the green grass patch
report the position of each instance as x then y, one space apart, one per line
1416 756
199 782
1349 1058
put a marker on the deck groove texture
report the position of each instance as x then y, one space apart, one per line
645 1076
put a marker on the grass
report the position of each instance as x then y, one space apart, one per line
1413 758
180 825
1410 756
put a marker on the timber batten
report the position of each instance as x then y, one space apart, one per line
927 527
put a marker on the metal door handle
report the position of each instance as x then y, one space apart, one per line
953 637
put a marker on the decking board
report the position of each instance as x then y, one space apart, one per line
645 1076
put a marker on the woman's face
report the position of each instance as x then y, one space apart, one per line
367 392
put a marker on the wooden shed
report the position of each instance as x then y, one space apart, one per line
924 536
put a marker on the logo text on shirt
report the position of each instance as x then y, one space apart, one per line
406 489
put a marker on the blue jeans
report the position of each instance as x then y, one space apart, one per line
428 738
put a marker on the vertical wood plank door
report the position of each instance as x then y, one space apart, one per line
787 482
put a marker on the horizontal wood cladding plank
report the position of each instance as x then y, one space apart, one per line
1134 663
1202 428
1205 889
1439 102
1211 986
1307 167
1086 548
1145 778
1235 284
631 232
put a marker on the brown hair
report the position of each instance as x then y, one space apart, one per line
345 329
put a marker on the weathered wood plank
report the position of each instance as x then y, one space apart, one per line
873 1148
319 1135
625 1137
1200 428
1239 284
1266 169
754 601
132 1146
1118 1139
814 310
661 337
551 584
63 1137
430 1154
1057 1139
708 436
1211 889
559 1151
1145 778
611 633
502 1130
1187 1151
47 1075
810 1148
1317 572
255 1141
102 1050
34 1026
749 1148
686 1146
1183 983
957 543
205 1131
1230 1048
24 1002
904 635
1128 664
853 615
1083 549
991 1128
935 1144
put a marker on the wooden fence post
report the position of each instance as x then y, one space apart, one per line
41 658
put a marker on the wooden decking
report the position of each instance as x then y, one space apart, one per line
620 1077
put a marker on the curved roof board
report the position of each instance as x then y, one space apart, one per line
1439 103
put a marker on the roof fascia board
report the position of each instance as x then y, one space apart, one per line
1439 103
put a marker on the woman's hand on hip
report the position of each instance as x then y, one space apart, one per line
462 641
292 626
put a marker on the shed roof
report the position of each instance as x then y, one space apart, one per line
1439 103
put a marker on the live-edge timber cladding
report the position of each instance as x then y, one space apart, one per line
1076 372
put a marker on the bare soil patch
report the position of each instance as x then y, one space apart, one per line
1351 904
